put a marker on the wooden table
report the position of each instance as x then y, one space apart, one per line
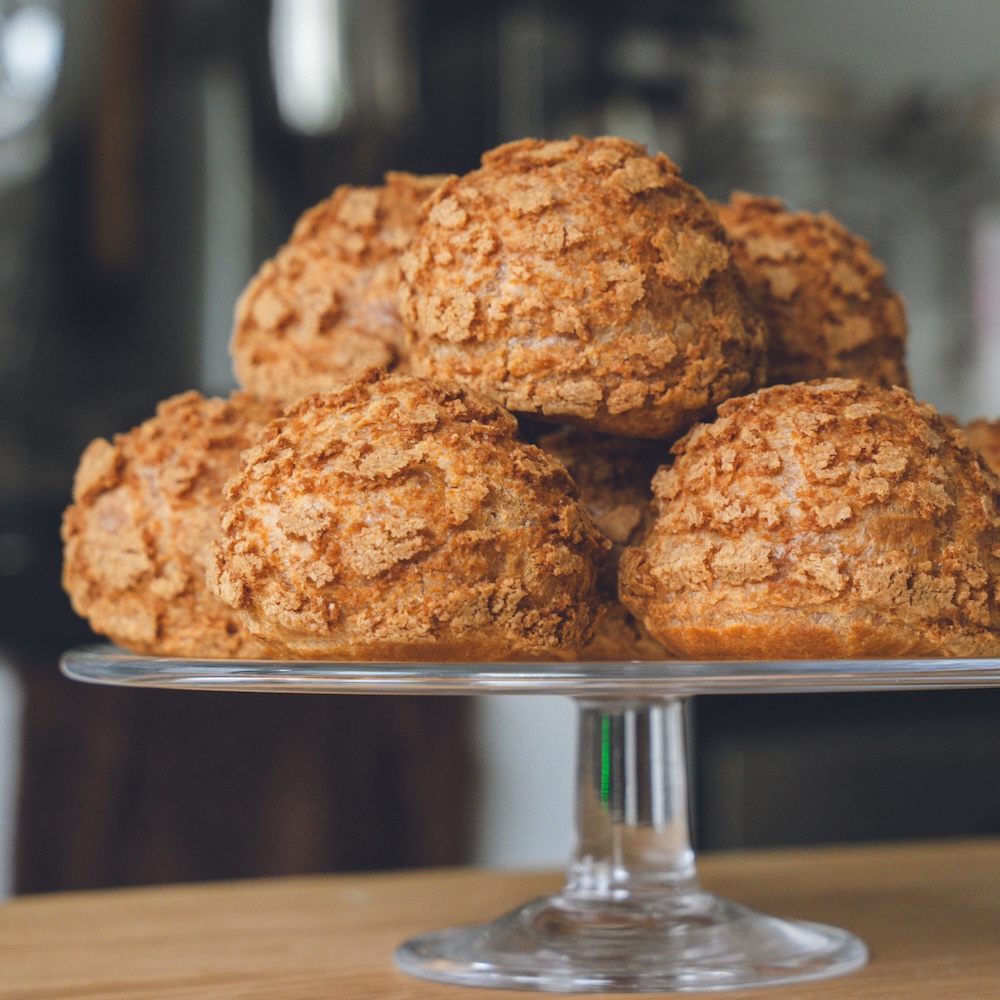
929 912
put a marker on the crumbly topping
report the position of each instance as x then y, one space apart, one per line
983 437
584 282
400 517
144 512
815 506
828 307
324 308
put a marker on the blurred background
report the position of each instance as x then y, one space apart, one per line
154 152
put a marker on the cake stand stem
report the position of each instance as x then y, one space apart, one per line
632 915
631 802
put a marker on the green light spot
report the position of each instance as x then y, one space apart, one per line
605 758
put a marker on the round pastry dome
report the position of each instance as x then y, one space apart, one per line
821 520
824 296
582 282
324 308
398 518
145 510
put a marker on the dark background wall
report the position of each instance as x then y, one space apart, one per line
169 157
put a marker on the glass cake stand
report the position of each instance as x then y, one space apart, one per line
631 916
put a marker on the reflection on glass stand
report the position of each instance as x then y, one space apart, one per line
631 916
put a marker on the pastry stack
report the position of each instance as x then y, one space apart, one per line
562 407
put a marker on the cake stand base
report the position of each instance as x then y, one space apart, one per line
683 941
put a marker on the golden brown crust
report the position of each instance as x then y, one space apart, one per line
145 508
325 307
583 282
614 476
984 438
824 297
821 520
398 518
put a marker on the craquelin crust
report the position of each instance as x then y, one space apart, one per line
325 307
145 509
614 476
393 512
583 282
821 520
984 438
399 518
824 297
